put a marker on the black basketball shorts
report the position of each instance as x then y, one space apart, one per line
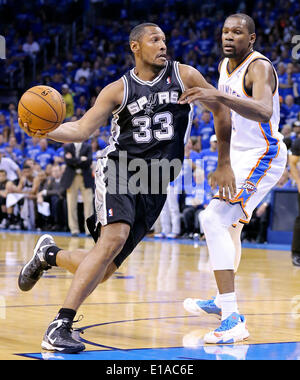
139 211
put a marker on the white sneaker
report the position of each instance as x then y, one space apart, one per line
233 329
202 307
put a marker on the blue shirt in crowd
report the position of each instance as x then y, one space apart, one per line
290 114
32 151
205 131
45 158
209 160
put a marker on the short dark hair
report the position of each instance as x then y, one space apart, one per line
249 21
139 30
3 171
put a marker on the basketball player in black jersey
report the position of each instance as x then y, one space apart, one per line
148 123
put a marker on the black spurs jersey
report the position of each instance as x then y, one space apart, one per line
150 124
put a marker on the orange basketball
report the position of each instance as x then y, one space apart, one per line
42 108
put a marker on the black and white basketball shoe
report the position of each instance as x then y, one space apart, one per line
33 270
61 337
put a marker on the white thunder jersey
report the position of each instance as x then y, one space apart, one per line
258 155
246 133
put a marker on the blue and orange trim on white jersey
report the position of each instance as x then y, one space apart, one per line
259 171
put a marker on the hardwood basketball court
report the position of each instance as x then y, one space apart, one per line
138 313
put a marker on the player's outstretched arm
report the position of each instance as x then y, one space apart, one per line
258 108
80 130
223 176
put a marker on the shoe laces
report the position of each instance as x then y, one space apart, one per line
37 273
227 324
207 303
68 325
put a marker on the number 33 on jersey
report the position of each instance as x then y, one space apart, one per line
153 124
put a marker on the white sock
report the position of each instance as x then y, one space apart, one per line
228 304
217 300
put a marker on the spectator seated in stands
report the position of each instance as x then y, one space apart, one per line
4 128
204 44
83 71
295 130
286 131
46 154
30 162
290 110
285 79
33 148
57 81
204 130
5 187
25 188
42 209
12 169
58 158
31 47
81 106
13 151
23 199
81 88
209 157
54 194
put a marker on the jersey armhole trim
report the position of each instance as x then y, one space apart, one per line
191 113
125 97
243 83
220 65
177 74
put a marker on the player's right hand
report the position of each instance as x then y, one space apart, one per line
25 127
224 178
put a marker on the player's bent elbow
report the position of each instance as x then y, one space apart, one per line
266 116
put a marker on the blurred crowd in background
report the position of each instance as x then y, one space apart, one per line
78 47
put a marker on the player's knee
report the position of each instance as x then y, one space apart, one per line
119 240
206 218
111 244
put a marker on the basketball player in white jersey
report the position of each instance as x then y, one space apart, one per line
248 85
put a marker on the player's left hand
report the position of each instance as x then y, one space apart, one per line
25 127
205 95
225 179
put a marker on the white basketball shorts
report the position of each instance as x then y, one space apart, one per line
256 171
